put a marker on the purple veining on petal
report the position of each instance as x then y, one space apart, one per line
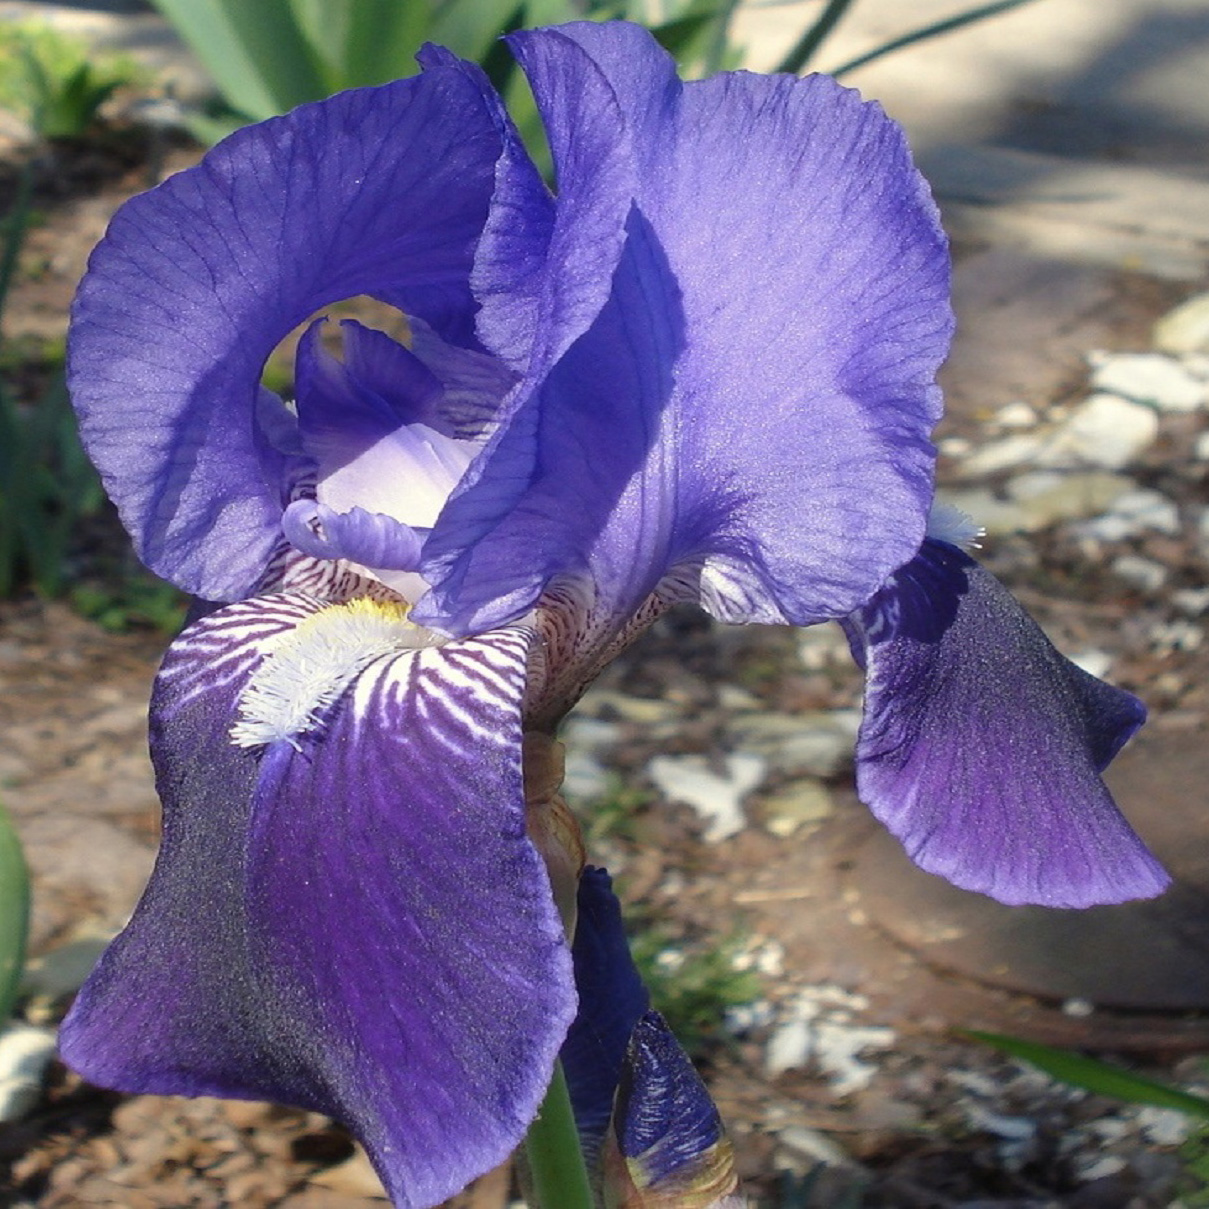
981 746
766 358
328 925
380 191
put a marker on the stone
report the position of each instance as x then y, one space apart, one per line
1151 378
1186 328
815 744
1132 514
1105 431
25 1053
1046 497
1003 454
1200 448
1143 573
802 801
1016 415
717 798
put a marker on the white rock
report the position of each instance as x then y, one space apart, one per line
813 1145
1016 415
718 799
1014 1129
789 1047
954 447
836 1048
1192 601
1044 497
1104 431
1134 513
1093 661
1080 1009
25 1053
1003 455
1150 378
1186 328
1200 448
1090 1167
817 744
1143 573
1165 1126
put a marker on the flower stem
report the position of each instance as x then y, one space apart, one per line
556 1163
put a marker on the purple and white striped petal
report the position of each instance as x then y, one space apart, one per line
349 916
981 746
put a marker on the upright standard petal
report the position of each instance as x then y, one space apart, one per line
349 917
981 746
755 398
380 191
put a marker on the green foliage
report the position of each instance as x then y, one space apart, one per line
814 37
267 56
14 915
56 82
1092 1075
693 987
47 488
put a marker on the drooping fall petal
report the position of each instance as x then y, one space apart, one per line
347 915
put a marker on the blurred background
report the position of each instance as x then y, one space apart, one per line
822 983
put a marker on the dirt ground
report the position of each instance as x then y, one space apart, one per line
883 964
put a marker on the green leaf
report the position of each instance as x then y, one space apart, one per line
814 37
929 31
14 914
255 50
363 42
1093 1075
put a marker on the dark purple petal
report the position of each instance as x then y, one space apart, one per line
380 191
981 746
755 398
611 1001
351 919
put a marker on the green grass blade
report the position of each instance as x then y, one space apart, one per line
930 31
1095 1076
14 914
814 37
254 49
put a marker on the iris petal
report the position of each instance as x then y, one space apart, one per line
354 922
981 746
755 397
612 999
380 191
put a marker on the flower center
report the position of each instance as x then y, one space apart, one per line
308 668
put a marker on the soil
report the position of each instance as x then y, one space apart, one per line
941 1121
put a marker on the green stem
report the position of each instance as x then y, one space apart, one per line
560 1180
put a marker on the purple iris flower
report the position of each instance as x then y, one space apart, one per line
702 370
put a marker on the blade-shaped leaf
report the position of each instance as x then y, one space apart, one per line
14 914
1092 1075
256 52
363 42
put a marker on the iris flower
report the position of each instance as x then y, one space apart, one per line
702 369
